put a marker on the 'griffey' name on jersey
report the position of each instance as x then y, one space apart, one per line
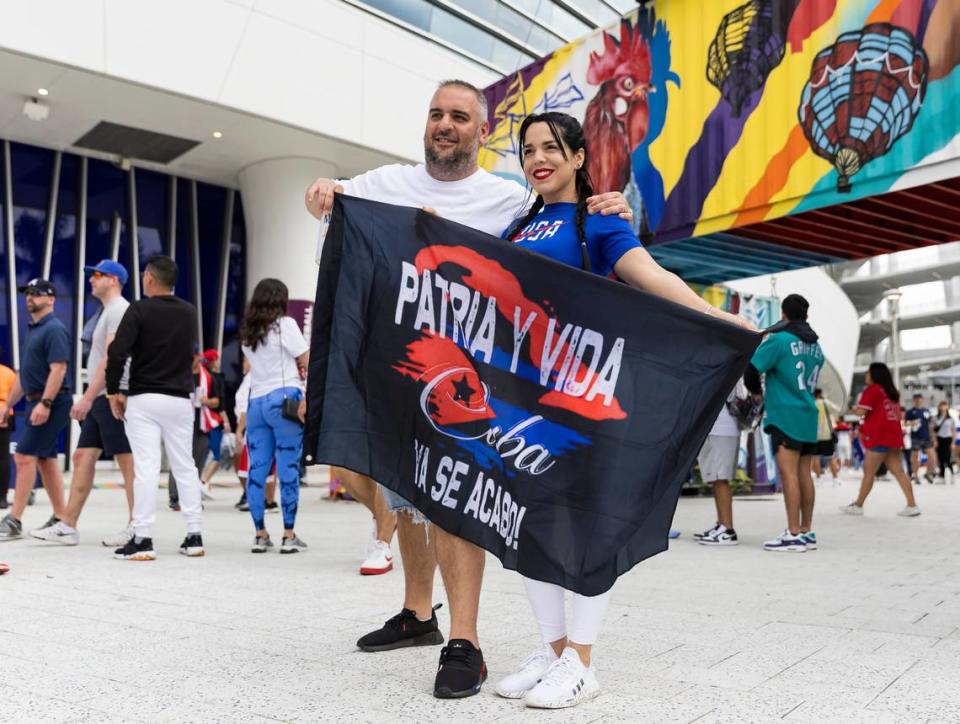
452 309
811 348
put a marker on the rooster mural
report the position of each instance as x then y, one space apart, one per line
628 112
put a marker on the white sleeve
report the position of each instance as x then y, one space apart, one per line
242 397
292 338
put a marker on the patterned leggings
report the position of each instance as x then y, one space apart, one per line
271 436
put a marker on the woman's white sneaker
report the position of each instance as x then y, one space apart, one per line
910 511
566 683
852 509
515 685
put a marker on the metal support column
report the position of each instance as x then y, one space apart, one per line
52 214
132 227
115 237
195 252
224 267
172 219
11 256
81 276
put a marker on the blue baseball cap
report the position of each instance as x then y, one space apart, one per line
111 267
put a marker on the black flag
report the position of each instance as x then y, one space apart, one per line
541 412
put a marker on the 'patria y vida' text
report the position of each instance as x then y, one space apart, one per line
450 309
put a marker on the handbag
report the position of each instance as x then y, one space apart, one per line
291 407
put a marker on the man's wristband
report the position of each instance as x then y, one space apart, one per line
47 402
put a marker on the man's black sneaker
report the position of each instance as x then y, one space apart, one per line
192 545
242 503
404 629
3 503
174 506
273 507
462 670
138 549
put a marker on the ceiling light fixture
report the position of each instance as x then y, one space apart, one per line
42 92
217 134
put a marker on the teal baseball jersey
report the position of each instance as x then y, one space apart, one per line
791 368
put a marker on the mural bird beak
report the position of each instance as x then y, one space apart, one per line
637 122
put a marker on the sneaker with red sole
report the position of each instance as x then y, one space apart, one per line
379 560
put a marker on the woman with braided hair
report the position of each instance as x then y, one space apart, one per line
554 154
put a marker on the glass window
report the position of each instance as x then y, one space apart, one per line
512 22
554 16
455 30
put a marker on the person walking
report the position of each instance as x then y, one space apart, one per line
274 345
946 429
919 424
214 414
882 437
100 431
203 400
790 360
7 378
827 414
44 380
158 334
452 183
718 466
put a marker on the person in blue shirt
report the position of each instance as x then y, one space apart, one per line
44 380
553 153
919 423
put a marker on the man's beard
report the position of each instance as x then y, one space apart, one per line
460 159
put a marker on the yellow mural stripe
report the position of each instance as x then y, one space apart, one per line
690 34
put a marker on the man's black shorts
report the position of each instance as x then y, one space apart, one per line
41 440
778 437
100 429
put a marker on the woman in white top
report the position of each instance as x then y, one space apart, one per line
946 428
277 353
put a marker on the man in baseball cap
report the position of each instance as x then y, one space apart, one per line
108 267
100 431
38 288
44 379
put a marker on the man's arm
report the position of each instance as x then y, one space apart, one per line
41 413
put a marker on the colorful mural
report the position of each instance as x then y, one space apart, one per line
710 116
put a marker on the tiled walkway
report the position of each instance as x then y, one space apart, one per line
867 629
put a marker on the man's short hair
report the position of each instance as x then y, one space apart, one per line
164 270
916 395
481 98
794 308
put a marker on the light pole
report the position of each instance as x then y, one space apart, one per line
893 305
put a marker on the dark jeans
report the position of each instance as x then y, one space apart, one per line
200 445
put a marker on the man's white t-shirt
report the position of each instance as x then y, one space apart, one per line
725 425
481 201
273 366
107 325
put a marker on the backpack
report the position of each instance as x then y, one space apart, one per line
743 408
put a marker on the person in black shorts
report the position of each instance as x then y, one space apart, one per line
100 431
44 380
